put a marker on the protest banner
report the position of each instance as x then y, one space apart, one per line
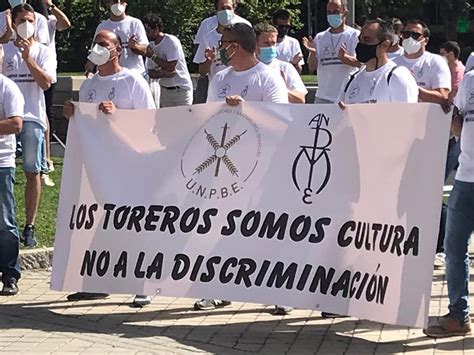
301 205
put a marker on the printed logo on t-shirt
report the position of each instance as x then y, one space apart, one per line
354 91
91 96
244 91
471 97
420 73
327 51
224 91
10 64
111 95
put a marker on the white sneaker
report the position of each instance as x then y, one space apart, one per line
141 300
440 261
47 181
50 166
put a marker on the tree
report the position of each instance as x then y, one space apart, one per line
452 11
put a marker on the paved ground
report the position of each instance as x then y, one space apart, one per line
42 321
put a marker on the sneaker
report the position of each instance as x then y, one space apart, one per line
207 305
86 296
50 166
282 310
10 288
440 261
447 326
141 300
28 237
46 180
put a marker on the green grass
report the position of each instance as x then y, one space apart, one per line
309 79
46 220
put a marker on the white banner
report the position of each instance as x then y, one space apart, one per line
300 205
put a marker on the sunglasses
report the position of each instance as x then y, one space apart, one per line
222 42
414 35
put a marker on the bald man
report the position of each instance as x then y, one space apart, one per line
112 87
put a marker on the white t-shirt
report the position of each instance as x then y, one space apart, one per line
396 54
288 48
430 70
128 27
290 75
470 63
375 87
14 67
332 73
11 104
126 89
41 28
465 102
210 23
256 84
210 40
170 50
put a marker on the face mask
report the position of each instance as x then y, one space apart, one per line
366 52
118 9
282 31
99 55
267 54
225 58
15 3
224 17
411 45
334 20
25 30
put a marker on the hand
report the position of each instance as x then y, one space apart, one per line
149 52
342 55
233 100
24 46
309 44
210 54
167 73
107 107
296 59
136 47
446 106
48 3
8 19
68 109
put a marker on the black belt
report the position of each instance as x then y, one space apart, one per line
171 87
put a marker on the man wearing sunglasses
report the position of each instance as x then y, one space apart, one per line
430 70
288 48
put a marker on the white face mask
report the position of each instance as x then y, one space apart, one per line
118 9
411 45
15 3
25 30
99 55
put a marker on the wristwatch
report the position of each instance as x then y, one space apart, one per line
51 8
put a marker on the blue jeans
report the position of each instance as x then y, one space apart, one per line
459 226
32 144
9 236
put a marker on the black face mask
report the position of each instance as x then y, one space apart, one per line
282 31
366 52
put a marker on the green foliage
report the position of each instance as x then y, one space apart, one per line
180 18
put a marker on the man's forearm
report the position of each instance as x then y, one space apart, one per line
11 125
40 76
433 96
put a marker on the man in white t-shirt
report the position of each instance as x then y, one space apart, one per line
396 50
288 48
460 218
267 53
469 63
166 61
112 87
333 53
11 115
131 32
245 79
430 70
31 66
380 80
8 34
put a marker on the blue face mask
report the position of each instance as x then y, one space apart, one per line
224 17
334 20
267 54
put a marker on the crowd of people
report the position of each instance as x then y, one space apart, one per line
134 64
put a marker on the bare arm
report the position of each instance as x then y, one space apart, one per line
63 21
296 97
41 77
8 33
437 96
169 66
312 57
12 125
346 58
456 123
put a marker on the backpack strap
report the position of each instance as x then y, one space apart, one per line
350 80
389 76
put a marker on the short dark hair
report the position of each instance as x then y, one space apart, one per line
281 14
216 2
154 21
426 30
244 35
385 30
397 24
260 28
452 46
21 8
